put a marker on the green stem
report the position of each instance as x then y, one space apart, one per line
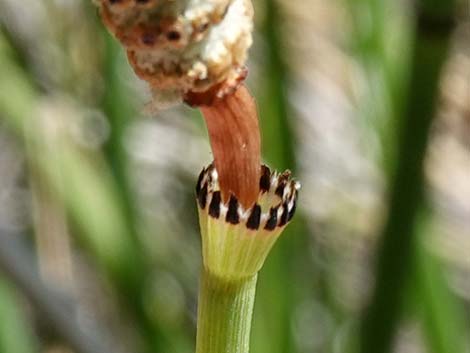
224 314
398 246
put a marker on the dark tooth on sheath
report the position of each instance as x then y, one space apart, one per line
284 216
272 220
202 196
280 189
232 213
285 176
292 211
214 207
209 171
199 182
254 219
265 180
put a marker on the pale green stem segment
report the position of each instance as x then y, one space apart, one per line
224 314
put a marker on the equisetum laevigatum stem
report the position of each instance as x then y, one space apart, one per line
235 244
224 314
195 51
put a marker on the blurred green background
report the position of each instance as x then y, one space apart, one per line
367 101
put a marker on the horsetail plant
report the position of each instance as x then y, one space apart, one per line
243 208
195 51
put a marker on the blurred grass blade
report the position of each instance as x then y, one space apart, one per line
440 311
274 300
85 186
120 111
380 42
58 310
395 253
278 148
15 333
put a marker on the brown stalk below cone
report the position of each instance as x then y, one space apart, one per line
232 123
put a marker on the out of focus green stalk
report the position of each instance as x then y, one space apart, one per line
86 187
395 256
56 309
379 40
120 111
281 268
439 311
438 308
15 334
88 190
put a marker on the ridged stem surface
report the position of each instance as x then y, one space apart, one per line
224 314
